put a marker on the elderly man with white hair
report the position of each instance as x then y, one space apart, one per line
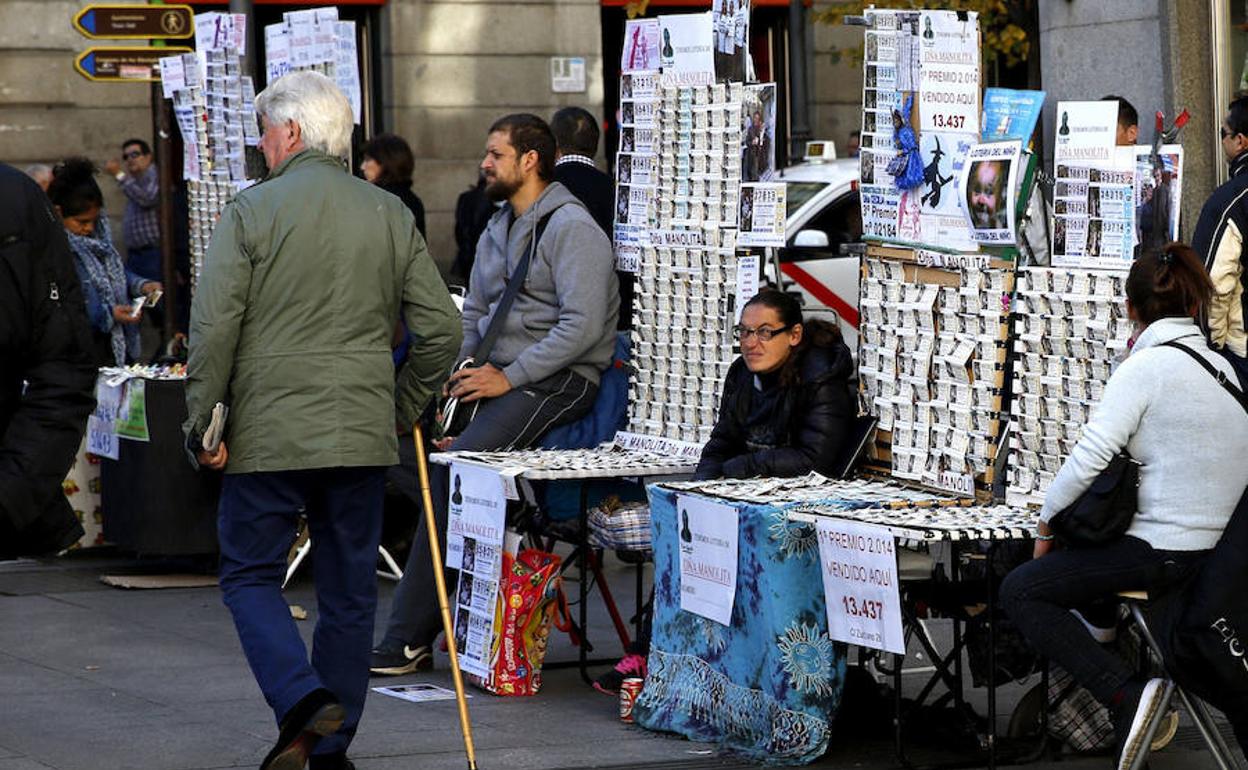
306 277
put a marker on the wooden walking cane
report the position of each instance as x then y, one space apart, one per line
435 551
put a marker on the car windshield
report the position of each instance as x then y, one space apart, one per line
799 193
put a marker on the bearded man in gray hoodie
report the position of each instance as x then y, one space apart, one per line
547 352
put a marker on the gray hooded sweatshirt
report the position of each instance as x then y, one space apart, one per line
565 316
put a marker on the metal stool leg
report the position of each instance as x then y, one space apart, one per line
395 571
1195 707
300 555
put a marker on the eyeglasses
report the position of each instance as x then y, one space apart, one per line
131 155
763 333
1226 132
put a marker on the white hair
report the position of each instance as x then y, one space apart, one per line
316 104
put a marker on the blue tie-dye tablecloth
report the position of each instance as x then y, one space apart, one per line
766 687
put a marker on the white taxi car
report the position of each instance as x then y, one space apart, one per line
824 216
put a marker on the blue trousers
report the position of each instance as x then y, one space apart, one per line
258 518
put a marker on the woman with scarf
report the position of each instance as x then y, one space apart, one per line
107 286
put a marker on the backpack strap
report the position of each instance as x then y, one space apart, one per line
1217 374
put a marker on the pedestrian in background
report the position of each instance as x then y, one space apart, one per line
46 373
1219 239
140 182
388 163
108 287
41 173
305 279
576 143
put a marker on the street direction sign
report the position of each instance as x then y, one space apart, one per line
135 22
124 65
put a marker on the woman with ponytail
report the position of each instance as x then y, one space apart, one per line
107 286
787 404
1190 437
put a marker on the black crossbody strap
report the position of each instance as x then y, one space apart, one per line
482 353
1218 375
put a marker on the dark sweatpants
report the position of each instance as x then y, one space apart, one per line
515 420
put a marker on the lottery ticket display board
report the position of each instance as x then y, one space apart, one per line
678 232
921 115
1070 328
214 107
931 363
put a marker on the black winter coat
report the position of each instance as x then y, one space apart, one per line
413 203
45 340
810 422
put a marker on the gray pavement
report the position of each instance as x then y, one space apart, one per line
94 678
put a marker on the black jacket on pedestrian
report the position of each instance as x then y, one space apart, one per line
1218 241
596 190
413 203
472 213
769 429
45 342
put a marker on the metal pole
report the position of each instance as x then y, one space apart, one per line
162 113
799 99
247 8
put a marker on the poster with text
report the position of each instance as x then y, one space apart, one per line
1010 114
763 212
948 73
989 179
859 567
731 21
641 45
758 133
476 521
943 223
1158 191
708 557
1086 133
880 209
477 508
685 49
1094 212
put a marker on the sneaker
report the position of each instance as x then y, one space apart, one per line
1099 622
1134 719
388 661
632 665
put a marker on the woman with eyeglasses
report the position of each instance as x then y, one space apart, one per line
786 410
787 404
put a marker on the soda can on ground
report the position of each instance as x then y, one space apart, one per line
629 690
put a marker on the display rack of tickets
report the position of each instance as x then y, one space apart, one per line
932 364
1070 328
315 39
214 107
678 192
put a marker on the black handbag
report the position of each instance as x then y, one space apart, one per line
1104 512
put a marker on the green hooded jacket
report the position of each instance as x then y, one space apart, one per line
292 321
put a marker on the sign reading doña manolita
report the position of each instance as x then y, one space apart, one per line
135 22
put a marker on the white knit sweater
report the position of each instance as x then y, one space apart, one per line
1189 435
